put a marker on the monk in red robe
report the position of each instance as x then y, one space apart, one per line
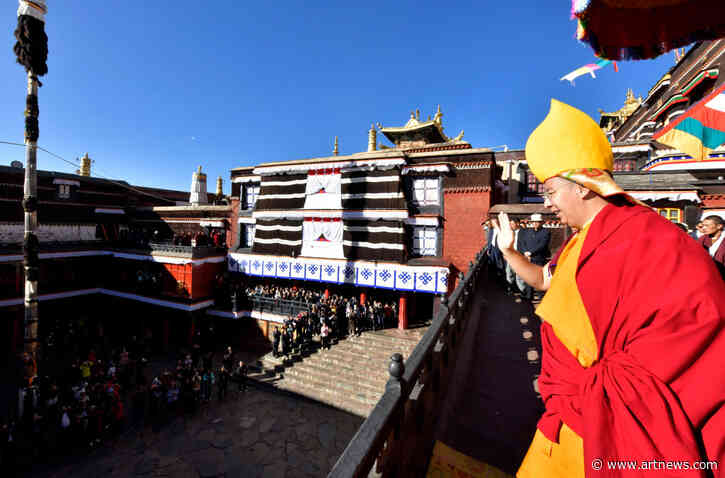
633 324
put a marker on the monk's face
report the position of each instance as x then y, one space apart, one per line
561 198
711 228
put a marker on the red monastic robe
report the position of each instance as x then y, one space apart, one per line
656 387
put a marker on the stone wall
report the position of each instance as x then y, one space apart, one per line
13 232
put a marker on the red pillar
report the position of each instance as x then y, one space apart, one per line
363 297
327 293
403 311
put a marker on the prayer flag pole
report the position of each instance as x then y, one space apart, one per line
31 50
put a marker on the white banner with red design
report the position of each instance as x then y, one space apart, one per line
323 189
322 237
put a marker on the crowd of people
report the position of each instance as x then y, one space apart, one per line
328 316
92 399
216 238
142 236
532 242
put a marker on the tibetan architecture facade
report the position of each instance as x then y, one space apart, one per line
402 220
680 188
669 181
106 249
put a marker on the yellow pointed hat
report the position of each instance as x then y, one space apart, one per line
567 139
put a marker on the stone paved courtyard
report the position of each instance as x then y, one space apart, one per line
260 433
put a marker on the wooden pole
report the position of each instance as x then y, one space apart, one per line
30 244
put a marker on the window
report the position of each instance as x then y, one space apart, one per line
673 214
532 184
247 234
624 165
251 191
425 191
425 241
64 191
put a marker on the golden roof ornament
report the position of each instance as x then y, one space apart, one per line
611 120
85 165
372 138
336 151
438 118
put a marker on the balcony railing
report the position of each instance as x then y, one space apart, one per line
397 436
195 252
276 306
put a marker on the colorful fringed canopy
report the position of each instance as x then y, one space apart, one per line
641 29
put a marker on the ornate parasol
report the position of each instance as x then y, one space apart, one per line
641 29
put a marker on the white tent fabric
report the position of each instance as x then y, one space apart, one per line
671 195
322 238
323 191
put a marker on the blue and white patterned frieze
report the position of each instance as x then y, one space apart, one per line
283 269
314 271
366 275
330 272
269 269
297 270
361 273
347 274
385 277
405 280
426 281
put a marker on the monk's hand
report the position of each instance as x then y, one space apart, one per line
505 236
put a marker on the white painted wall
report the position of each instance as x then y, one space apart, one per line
13 232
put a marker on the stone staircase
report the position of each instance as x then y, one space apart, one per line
351 375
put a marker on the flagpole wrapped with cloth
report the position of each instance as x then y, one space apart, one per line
31 50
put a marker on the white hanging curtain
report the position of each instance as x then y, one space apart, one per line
322 230
322 237
323 189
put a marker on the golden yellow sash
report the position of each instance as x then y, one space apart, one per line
562 306
563 309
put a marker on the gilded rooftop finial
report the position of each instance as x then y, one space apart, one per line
336 151
372 138
439 116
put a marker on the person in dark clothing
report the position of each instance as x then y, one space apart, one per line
223 383
492 252
275 341
241 376
207 361
712 240
535 246
228 359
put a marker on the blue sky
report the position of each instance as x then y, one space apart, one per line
151 90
